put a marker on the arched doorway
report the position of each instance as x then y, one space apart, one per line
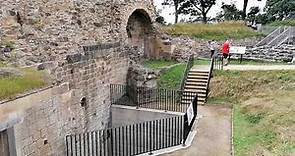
140 32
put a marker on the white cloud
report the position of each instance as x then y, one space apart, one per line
167 12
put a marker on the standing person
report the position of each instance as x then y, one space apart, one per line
212 46
225 51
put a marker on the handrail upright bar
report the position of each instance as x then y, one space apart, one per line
189 65
210 76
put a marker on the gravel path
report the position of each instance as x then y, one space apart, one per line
213 136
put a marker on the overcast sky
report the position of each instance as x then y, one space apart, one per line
167 12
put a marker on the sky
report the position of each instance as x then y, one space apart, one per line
167 12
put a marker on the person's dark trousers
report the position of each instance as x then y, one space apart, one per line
212 53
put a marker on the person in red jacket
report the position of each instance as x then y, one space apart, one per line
225 51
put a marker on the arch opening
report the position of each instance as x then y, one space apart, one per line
140 32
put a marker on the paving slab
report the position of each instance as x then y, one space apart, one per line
213 136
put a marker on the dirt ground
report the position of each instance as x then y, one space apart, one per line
213 136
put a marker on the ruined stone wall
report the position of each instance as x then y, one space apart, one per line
38 31
283 53
86 45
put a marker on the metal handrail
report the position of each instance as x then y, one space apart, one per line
189 65
210 75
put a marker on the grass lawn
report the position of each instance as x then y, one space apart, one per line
219 32
172 78
264 110
156 64
12 86
263 103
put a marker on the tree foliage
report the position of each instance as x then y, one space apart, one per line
199 8
230 12
177 7
251 16
160 19
279 9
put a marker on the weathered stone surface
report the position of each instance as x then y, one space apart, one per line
185 46
10 72
283 53
41 32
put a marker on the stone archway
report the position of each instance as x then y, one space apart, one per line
140 32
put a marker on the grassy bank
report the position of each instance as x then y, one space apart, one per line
221 31
172 78
156 64
264 110
264 107
12 86
283 23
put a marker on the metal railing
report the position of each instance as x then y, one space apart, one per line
218 62
160 99
128 140
210 76
134 139
189 65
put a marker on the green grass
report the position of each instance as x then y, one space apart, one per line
202 62
12 86
254 62
172 78
283 23
156 64
219 32
2 64
264 109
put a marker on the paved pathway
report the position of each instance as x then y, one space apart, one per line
250 67
259 67
213 136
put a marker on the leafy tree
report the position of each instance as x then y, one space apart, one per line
262 18
252 14
160 19
230 12
177 7
198 8
244 12
244 9
279 9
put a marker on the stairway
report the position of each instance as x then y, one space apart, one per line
196 82
282 37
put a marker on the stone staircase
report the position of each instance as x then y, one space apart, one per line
281 37
196 82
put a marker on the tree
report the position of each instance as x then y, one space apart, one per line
245 9
251 16
279 9
230 12
177 7
244 14
160 19
198 8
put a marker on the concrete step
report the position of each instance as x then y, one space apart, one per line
201 87
198 74
197 77
189 102
192 83
200 96
197 80
199 71
196 90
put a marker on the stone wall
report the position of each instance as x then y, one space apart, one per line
283 53
185 46
39 31
85 44
41 120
